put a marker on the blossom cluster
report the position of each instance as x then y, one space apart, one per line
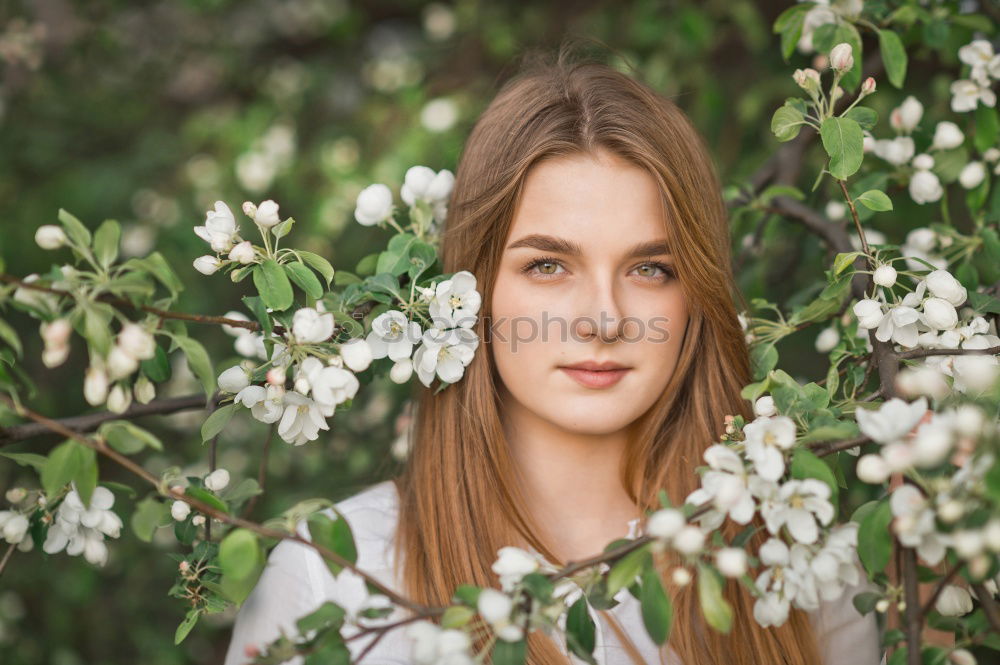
80 529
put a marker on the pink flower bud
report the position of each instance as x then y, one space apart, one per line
276 376
868 87
842 57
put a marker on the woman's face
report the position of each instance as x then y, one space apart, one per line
586 275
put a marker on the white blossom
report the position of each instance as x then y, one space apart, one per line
455 301
179 510
81 530
374 204
220 229
827 339
267 214
265 404
914 524
947 135
393 335
766 439
892 420
907 115
301 420
802 506
207 264
972 174
242 252
445 353
401 371
312 326
841 57
357 354
726 485
967 93
512 564
731 561
925 187
234 379
897 151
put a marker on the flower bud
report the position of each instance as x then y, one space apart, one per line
731 561
401 371
55 356
119 399
665 523
234 379
242 252
808 79
357 354
95 386
764 406
947 135
868 87
56 333
16 494
967 542
689 540
950 511
991 534
120 363
953 601
940 314
198 520
179 510
136 341
972 175
207 264
872 469
923 162
841 57
249 209
50 236
882 606
681 576
267 214
885 275
217 480
961 657
144 390
276 376
827 340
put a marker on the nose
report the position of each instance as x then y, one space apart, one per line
600 311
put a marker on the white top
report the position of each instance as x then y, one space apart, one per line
296 581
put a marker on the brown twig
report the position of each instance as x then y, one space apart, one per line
6 556
990 608
209 511
923 353
929 605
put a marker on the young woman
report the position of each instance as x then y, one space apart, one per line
589 211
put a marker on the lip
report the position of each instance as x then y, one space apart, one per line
604 376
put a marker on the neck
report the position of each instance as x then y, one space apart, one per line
571 481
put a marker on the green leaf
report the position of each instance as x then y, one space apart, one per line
33 460
198 360
157 368
75 229
789 24
66 462
206 496
396 259
343 278
282 229
304 279
786 123
273 285
9 335
457 616
781 190
217 421
148 516
875 200
864 116
580 631
366 266
239 553
874 538
128 438
334 535
763 358
189 621
843 260
106 242
158 267
865 602
893 56
326 615
509 653
987 128
714 607
317 263
97 327
657 610
842 140
626 569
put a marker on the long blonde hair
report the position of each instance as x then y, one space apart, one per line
459 502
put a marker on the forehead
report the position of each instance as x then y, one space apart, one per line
600 200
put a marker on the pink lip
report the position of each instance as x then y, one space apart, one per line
596 378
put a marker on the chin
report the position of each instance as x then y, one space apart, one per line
590 417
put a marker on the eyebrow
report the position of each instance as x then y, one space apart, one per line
547 243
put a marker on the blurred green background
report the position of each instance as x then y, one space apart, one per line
148 112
